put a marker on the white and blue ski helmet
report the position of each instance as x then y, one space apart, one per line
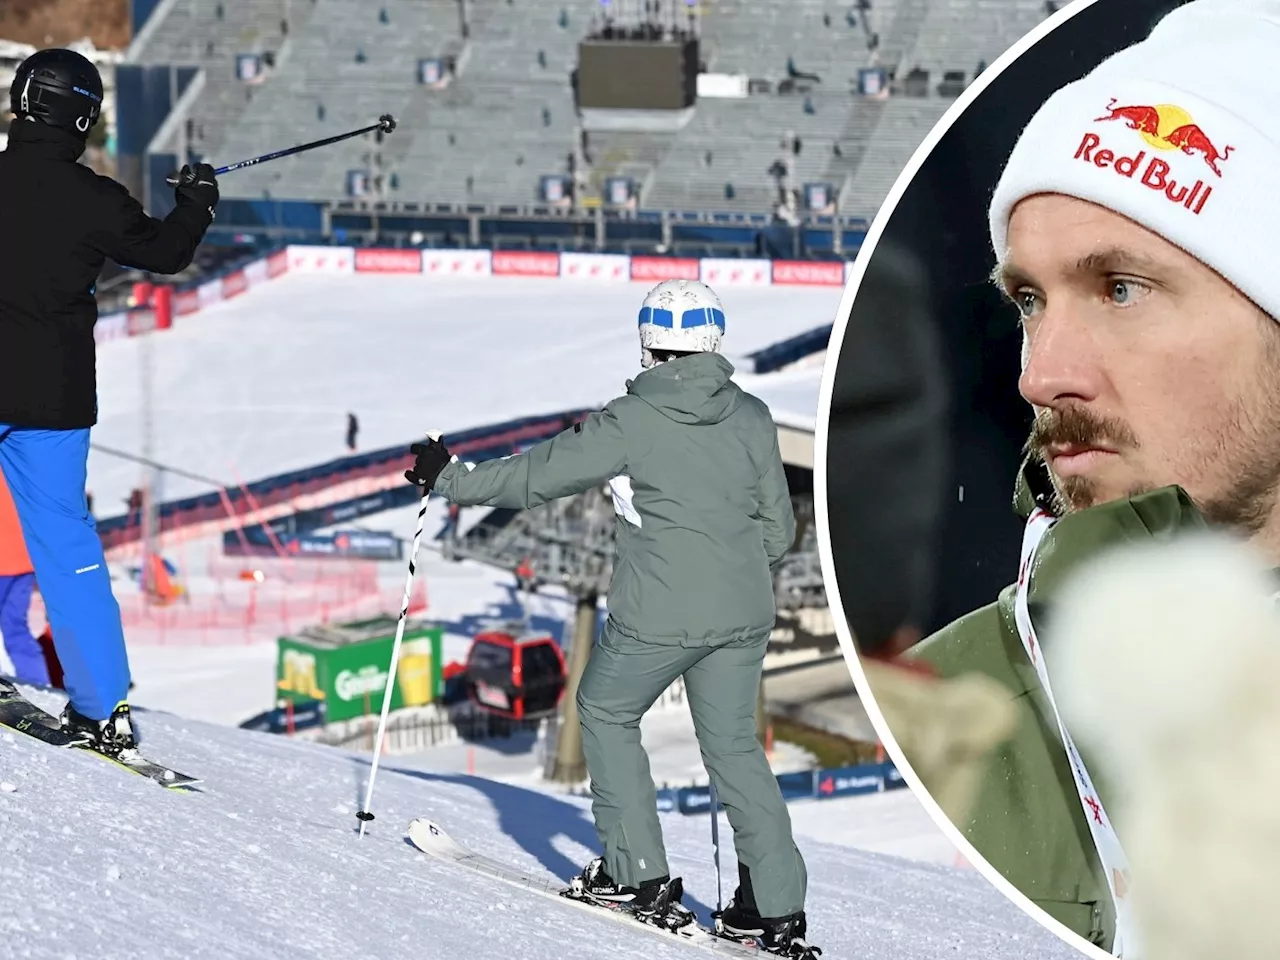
681 315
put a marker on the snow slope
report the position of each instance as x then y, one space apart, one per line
98 864
263 383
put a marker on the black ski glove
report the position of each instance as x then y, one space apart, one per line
432 457
197 185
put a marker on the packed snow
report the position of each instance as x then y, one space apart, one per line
264 861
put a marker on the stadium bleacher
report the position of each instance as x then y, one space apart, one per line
507 117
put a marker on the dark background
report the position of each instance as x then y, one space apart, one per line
925 398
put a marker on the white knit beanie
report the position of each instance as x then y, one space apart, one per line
1180 133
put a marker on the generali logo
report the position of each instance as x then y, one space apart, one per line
1166 129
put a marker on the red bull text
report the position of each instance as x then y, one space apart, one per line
1154 173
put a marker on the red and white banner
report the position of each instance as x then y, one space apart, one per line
256 273
613 267
525 263
821 273
114 326
209 293
322 259
384 260
186 303
657 269
277 263
234 284
736 273
456 263
140 321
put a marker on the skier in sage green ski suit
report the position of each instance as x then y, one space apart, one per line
704 514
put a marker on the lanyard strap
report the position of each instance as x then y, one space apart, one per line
1114 863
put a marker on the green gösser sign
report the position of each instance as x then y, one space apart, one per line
345 666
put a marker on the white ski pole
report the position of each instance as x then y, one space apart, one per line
715 844
364 815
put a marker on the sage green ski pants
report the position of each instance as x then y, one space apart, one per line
622 680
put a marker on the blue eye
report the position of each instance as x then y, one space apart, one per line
1125 292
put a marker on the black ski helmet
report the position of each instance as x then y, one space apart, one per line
60 88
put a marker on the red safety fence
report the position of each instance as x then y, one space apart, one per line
258 599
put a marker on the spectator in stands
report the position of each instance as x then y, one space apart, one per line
706 160
729 192
835 149
542 59
546 116
564 19
471 182
360 57
809 107
320 112
17 581
353 428
382 16
219 12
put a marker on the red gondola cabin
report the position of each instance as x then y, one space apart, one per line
520 678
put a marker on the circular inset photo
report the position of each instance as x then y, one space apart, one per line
1048 473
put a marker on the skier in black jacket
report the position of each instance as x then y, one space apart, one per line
59 222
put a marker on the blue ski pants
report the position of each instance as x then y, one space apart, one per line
46 472
23 648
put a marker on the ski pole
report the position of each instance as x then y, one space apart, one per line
715 844
386 123
364 815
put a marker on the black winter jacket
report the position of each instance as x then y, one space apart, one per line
59 222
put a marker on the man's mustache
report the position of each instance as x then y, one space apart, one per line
1075 426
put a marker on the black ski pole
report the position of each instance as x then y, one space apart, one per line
386 123
715 845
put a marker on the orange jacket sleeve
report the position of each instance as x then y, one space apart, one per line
13 548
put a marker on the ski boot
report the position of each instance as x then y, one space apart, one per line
655 901
112 737
783 936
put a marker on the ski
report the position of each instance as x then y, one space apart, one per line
20 714
165 776
431 839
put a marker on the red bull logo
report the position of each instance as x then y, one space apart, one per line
1164 128
1167 127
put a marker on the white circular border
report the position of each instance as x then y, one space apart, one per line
843 633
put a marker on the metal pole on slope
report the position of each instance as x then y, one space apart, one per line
365 815
715 844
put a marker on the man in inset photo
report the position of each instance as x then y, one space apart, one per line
1134 229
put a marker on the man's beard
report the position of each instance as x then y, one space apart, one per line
1252 447
1079 427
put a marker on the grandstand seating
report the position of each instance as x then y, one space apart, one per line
194 33
507 119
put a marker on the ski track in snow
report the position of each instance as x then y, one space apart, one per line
262 384
99 864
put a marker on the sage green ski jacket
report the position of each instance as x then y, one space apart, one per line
704 512
1027 820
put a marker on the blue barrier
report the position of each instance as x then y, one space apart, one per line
306 714
820 784
778 355
481 443
346 544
